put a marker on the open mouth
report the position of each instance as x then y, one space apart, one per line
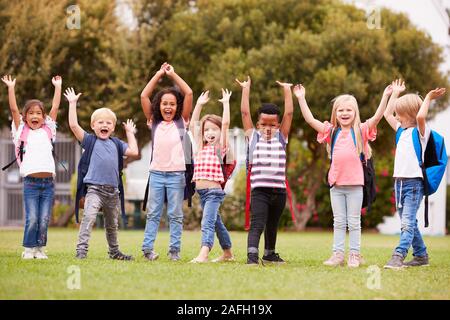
104 131
167 113
34 122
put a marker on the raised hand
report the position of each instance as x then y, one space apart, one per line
170 71
225 96
388 90
71 96
436 93
204 98
57 81
284 84
245 84
398 86
162 70
129 126
299 91
9 81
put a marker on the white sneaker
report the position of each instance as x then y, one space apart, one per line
28 253
39 253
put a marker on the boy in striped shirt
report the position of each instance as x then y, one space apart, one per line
267 160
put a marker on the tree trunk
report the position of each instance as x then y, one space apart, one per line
64 219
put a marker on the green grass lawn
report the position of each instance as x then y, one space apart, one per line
302 277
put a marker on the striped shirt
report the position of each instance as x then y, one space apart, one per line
207 165
269 163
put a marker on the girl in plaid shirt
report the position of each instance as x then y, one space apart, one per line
210 137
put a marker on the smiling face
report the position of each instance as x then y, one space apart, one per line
345 115
35 117
268 125
103 127
211 133
168 106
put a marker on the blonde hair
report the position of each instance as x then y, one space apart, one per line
215 119
349 100
103 113
408 105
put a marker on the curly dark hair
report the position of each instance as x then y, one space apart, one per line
156 102
269 108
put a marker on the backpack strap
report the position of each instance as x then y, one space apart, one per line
120 154
249 162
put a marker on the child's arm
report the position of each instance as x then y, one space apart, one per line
15 113
245 105
187 92
73 119
225 117
147 92
57 82
398 86
423 111
194 123
288 109
300 93
373 122
132 149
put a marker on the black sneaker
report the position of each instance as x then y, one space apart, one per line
418 262
120 256
273 258
252 259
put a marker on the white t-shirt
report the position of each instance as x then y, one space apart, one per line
38 155
406 164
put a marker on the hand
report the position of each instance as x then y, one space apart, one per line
71 96
129 126
170 71
204 98
245 84
388 90
285 84
299 91
225 96
57 81
162 70
398 86
436 93
9 81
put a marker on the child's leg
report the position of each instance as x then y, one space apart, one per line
175 183
419 248
155 206
31 205
222 234
278 203
45 209
111 211
92 205
212 199
354 198
410 198
338 205
260 204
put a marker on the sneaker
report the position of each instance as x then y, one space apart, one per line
174 255
418 262
273 258
120 256
252 259
336 259
354 260
28 253
81 255
151 256
39 253
396 262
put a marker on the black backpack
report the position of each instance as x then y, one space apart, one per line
369 188
189 189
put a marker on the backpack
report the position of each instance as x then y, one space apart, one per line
249 161
369 187
186 142
83 167
227 168
434 164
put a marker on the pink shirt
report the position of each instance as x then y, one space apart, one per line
168 152
346 168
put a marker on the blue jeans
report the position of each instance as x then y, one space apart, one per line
346 202
408 196
162 185
38 195
210 200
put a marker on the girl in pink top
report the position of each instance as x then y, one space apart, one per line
169 113
346 173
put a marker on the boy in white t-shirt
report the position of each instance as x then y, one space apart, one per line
34 133
410 113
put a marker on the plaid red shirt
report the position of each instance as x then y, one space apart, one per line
207 165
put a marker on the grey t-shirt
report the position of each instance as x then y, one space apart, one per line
104 166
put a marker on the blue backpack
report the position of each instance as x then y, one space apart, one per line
434 161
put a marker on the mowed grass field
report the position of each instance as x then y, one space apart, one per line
302 277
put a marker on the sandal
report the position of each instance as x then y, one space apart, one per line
222 259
